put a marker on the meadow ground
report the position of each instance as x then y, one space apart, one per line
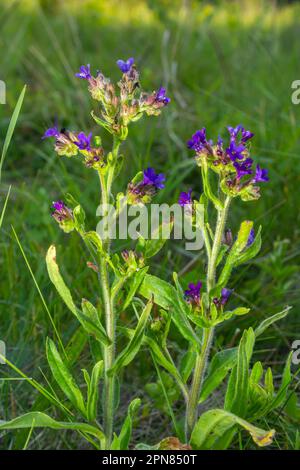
223 63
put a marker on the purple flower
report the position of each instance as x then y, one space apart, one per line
161 96
84 141
243 168
61 212
246 135
84 72
234 131
225 294
51 132
192 294
153 179
185 198
198 140
250 238
235 151
125 65
261 175
58 205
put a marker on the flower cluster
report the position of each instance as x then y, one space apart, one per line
232 162
225 294
69 144
193 294
141 191
118 110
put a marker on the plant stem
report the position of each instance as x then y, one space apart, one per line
201 361
109 351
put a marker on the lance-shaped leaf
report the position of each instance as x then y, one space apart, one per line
63 377
207 187
269 321
236 399
93 391
89 318
37 419
121 442
57 280
282 393
128 354
209 431
167 297
236 252
157 240
219 367
134 284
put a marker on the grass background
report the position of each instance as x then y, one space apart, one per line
223 63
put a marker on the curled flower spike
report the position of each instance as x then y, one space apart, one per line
84 141
192 294
185 198
84 72
125 65
232 163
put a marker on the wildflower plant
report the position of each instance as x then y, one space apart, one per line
227 172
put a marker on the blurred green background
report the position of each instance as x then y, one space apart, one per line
223 63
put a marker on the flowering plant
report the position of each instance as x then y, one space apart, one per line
227 173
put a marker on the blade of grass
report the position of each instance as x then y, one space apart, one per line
40 293
11 127
5 204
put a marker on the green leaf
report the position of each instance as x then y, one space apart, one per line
207 187
134 285
128 354
168 298
154 244
213 424
89 319
36 419
281 395
187 364
63 377
79 217
93 391
235 256
161 358
236 399
230 313
125 434
268 321
219 367
251 251
57 280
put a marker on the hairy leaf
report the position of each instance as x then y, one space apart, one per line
63 377
212 425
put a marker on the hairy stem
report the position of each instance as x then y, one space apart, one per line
109 351
201 361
